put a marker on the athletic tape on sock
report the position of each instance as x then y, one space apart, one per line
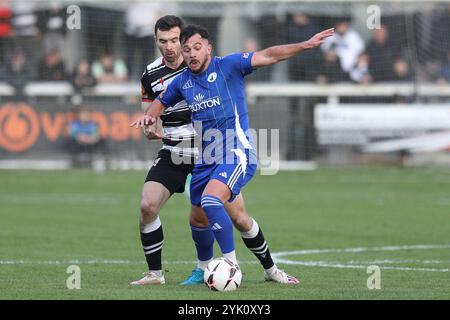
147 228
253 232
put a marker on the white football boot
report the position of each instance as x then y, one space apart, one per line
150 277
281 277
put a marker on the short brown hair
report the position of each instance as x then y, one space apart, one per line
168 22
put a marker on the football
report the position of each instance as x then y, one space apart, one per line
223 274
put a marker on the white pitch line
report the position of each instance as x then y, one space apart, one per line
278 259
326 264
363 249
398 261
340 265
128 262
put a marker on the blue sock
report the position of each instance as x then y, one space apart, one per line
204 242
219 222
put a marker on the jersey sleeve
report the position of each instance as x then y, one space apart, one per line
172 95
147 94
241 62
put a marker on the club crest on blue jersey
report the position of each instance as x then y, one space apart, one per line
212 77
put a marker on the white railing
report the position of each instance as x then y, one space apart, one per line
334 91
6 89
51 88
254 90
117 89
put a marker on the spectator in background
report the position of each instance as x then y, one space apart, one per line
347 43
109 69
84 137
444 74
360 73
431 30
330 70
52 24
82 77
381 53
429 71
140 19
52 67
263 74
402 73
298 28
402 70
17 72
432 39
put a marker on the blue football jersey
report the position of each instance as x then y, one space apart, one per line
216 98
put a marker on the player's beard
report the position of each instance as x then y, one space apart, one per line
201 68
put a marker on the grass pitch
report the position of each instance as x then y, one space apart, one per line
397 219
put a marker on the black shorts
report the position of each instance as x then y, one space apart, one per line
170 175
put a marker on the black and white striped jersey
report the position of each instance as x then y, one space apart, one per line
177 125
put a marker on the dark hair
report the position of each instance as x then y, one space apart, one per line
191 30
168 22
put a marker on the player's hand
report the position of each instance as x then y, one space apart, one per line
151 132
319 38
143 121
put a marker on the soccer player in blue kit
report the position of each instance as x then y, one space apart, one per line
213 88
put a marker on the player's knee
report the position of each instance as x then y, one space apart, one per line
198 219
149 210
242 222
199 223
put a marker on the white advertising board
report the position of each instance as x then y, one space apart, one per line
361 124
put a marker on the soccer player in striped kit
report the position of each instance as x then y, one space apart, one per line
216 183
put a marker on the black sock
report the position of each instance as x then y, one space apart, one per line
260 249
152 244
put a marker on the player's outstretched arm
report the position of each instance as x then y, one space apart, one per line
279 53
153 131
154 110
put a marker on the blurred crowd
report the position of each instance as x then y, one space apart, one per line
33 47
393 54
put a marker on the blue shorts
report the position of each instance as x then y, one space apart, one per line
235 176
